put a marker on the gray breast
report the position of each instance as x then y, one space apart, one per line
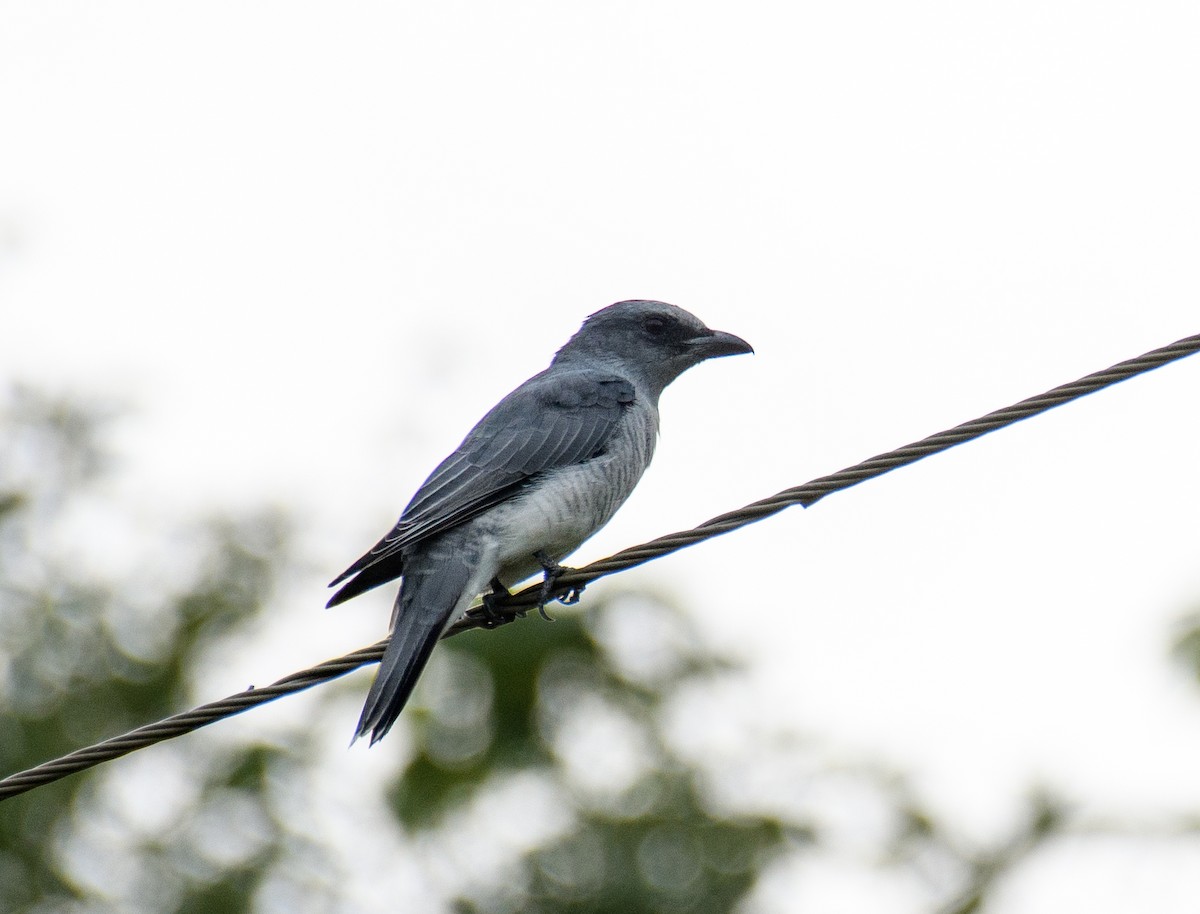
566 506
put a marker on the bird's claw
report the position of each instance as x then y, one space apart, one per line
552 571
571 597
492 616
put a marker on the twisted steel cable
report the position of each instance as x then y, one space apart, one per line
571 582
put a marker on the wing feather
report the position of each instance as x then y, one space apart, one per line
555 419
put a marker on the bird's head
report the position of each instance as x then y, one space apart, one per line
651 340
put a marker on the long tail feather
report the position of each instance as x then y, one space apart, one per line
425 604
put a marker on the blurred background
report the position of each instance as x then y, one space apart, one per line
262 266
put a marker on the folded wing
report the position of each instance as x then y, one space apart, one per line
545 424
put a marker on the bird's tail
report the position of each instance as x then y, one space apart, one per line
426 603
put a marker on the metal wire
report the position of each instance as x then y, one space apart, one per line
568 585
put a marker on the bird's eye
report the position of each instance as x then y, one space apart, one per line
655 325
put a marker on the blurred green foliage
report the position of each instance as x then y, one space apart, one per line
545 759
644 841
83 658
1186 646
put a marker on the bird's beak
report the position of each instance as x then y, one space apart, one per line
717 343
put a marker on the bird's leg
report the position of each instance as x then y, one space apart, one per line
552 571
493 616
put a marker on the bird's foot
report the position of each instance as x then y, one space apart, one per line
552 571
492 615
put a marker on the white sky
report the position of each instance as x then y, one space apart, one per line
313 242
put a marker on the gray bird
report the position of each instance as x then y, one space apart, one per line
539 474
